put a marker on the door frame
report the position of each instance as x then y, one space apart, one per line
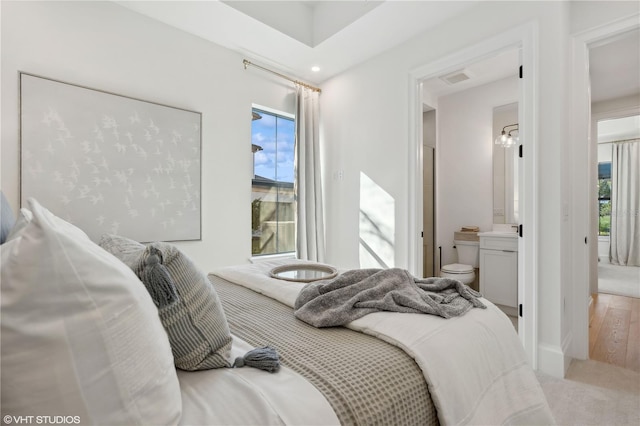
584 165
524 38
435 268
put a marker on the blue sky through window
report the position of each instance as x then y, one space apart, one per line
275 135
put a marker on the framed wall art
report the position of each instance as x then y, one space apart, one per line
110 163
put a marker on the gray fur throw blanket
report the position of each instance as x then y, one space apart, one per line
356 293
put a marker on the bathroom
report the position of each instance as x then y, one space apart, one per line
467 174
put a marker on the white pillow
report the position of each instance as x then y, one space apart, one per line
6 218
23 219
80 335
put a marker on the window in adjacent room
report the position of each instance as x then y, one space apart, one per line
272 196
604 197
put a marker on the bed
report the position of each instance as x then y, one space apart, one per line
87 339
473 366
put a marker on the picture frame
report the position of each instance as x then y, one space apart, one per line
109 163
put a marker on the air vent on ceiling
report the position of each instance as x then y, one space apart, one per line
455 77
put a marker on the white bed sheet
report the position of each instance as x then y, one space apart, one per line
248 396
474 365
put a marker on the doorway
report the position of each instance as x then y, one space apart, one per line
477 185
615 303
590 79
521 38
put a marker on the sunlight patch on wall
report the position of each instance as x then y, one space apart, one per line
377 225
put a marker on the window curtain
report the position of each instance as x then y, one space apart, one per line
308 182
625 203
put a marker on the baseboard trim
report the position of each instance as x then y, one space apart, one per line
552 359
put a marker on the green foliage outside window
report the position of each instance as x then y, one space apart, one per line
604 189
604 201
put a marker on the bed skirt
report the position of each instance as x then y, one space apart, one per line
366 380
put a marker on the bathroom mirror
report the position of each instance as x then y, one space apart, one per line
505 167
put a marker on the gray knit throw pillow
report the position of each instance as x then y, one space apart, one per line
194 320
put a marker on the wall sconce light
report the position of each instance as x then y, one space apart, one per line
506 139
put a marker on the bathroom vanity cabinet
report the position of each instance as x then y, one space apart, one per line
499 268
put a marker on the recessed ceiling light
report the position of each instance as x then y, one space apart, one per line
315 68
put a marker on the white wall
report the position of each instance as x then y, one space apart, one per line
429 128
464 171
612 106
366 116
105 46
589 14
366 111
618 129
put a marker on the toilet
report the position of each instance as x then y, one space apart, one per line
468 259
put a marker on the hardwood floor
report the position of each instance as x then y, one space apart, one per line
614 330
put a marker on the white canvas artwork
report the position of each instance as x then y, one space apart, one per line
109 163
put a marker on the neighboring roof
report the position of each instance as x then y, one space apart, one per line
266 182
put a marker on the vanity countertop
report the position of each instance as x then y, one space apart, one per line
500 234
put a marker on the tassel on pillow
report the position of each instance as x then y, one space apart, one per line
157 279
263 358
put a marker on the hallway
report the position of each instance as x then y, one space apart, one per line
614 330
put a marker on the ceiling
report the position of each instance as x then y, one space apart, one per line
614 68
309 22
293 36
503 65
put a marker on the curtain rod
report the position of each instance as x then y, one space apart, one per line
308 86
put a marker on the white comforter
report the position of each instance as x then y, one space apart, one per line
248 396
474 365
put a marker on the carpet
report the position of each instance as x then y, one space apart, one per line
620 280
594 393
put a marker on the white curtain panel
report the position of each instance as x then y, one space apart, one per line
625 204
308 182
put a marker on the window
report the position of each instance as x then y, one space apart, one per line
272 196
604 198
